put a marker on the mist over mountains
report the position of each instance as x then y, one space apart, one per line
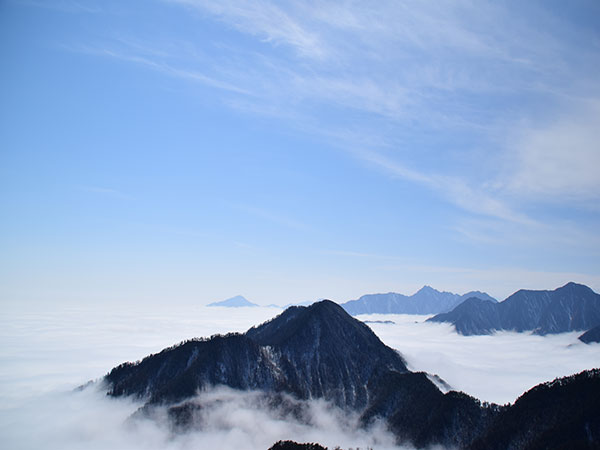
321 352
41 410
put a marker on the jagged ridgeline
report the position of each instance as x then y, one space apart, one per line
321 351
572 307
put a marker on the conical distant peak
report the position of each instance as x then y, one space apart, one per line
236 301
426 290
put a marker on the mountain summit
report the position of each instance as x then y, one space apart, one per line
311 352
234 302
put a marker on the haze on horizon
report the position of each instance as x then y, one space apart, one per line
188 150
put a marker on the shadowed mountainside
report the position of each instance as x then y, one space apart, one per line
417 412
558 415
561 414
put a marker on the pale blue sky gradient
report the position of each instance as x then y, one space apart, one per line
190 150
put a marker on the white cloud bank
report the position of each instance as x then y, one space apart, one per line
495 368
230 420
44 354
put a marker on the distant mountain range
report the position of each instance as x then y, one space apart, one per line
569 308
321 351
234 302
425 301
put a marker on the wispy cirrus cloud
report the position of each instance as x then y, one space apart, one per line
380 81
558 162
154 63
266 20
455 189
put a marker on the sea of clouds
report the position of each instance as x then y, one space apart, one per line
496 368
45 353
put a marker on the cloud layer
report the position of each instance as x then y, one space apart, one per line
45 354
230 420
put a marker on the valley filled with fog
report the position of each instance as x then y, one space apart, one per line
46 353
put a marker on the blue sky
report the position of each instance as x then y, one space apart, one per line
188 150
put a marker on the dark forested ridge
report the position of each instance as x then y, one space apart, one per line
569 308
322 352
417 412
561 414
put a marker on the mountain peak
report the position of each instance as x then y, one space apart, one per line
319 351
426 288
234 302
571 285
324 320
326 305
